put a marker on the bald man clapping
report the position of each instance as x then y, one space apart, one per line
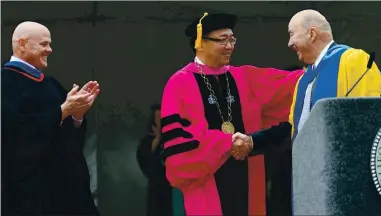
43 130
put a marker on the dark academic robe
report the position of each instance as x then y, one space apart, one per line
196 151
43 169
159 191
279 165
276 141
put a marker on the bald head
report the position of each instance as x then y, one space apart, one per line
27 30
312 18
310 33
31 43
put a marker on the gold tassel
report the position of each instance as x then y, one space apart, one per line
197 43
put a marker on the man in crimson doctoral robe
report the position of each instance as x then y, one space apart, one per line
203 105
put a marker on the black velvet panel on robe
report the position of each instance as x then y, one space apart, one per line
44 171
275 143
232 177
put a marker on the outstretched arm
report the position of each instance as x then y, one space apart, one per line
261 141
273 89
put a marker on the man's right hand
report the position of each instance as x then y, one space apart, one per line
242 146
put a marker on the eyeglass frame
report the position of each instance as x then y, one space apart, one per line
224 42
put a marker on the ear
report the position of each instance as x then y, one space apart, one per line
312 33
22 43
201 48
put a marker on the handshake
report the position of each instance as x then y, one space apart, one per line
242 145
79 101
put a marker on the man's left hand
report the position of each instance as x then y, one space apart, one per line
90 87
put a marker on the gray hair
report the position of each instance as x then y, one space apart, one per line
319 22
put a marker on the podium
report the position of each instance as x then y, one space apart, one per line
336 159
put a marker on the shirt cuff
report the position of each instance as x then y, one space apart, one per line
77 122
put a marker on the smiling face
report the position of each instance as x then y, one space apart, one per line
35 48
302 41
218 46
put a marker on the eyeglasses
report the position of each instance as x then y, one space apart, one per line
224 41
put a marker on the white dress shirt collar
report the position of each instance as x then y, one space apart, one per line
13 58
198 61
323 52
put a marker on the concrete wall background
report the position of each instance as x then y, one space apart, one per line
132 48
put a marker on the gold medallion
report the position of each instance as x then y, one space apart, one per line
227 127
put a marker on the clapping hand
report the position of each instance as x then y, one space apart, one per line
242 146
92 88
78 102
